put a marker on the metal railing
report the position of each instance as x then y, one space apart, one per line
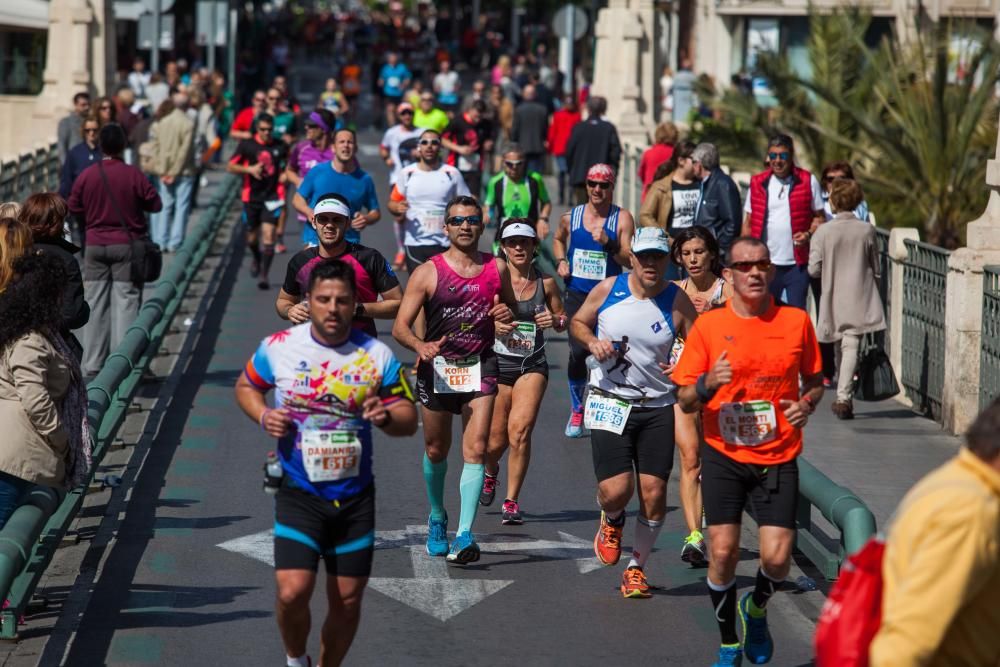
924 276
35 529
885 269
29 172
628 191
989 359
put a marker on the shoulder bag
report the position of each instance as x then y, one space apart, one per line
145 257
876 380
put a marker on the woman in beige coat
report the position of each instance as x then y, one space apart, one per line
843 254
658 208
42 399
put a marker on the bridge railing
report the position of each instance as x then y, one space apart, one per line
885 270
29 172
989 360
36 528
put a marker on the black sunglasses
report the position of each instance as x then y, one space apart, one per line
406 112
513 164
604 185
744 267
784 155
458 220
430 142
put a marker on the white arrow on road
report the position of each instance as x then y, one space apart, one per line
568 547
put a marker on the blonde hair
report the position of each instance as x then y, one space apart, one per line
15 239
10 209
666 133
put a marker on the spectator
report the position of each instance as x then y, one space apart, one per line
831 173
124 101
446 85
467 142
783 208
844 255
719 206
43 402
502 120
941 567
15 240
113 198
10 209
157 91
667 93
531 129
106 111
68 132
206 137
44 213
673 196
81 156
138 78
664 138
429 117
684 97
593 141
563 122
175 169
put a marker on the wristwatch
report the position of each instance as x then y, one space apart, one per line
359 310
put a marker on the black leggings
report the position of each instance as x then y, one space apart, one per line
576 369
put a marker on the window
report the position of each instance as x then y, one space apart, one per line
22 61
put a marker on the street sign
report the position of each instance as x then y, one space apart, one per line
206 24
145 38
570 20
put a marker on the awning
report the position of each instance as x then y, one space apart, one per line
32 14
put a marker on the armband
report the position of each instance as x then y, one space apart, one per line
704 393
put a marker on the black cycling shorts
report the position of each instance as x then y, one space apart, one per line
646 445
453 403
512 368
255 213
726 485
307 527
418 254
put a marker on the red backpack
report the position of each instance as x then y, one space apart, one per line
852 612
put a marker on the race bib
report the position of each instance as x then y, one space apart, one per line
590 264
329 456
274 205
605 413
748 424
520 342
432 220
457 376
393 82
465 164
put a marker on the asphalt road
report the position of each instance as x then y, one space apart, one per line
187 579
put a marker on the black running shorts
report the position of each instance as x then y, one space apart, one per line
512 368
418 254
255 213
453 403
646 445
726 485
307 527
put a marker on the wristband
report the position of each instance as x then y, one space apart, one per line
562 322
261 420
808 401
704 393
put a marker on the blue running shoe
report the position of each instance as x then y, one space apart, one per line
757 643
574 427
437 537
730 655
464 549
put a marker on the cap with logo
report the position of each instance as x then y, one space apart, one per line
332 205
518 229
650 239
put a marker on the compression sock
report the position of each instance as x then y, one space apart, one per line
646 532
469 488
255 251
434 480
724 602
763 589
576 389
267 256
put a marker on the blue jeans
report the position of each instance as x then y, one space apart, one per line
169 224
12 491
794 282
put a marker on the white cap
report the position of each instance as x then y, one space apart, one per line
331 205
518 229
650 238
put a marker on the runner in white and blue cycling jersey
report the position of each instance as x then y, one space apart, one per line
332 383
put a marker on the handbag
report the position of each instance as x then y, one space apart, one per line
145 257
876 380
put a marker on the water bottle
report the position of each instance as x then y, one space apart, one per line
273 472
805 583
592 363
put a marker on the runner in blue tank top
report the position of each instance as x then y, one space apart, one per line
591 243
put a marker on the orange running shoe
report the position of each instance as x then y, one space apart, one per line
608 541
634 583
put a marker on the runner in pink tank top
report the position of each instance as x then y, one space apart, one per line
460 309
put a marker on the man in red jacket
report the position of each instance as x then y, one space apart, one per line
783 208
560 128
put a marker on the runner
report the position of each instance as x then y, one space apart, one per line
261 161
520 349
393 79
315 149
399 149
343 175
517 193
467 141
457 369
325 506
332 99
591 243
420 196
243 123
637 317
428 116
372 273
742 367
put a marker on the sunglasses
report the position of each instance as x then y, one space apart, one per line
329 220
105 107
264 128
430 142
273 99
784 155
744 267
513 164
604 185
459 220
88 130
407 112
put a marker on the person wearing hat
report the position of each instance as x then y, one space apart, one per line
590 244
630 324
373 275
520 348
315 149
398 149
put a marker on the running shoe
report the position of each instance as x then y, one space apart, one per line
757 643
608 541
437 537
634 584
511 515
694 550
280 246
729 656
489 490
574 427
464 549
263 284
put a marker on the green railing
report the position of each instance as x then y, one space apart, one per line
33 171
885 268
35 529
924 275
989 359
842 508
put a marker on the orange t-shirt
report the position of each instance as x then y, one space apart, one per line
768 355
